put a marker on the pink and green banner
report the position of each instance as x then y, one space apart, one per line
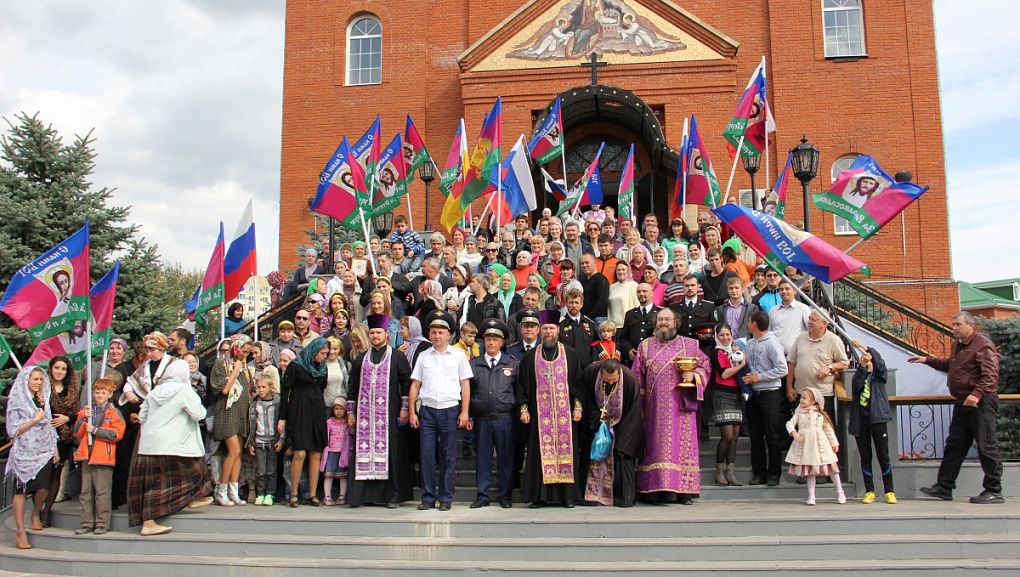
211 294
341 185
547 145
50 295
867 197
752 120
625 199
392 181
775 201
415 153
72 343
486 155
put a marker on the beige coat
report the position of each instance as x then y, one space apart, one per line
819 439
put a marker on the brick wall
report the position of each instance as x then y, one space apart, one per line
886 105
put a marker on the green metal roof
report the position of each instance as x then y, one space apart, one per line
973 297
1000 288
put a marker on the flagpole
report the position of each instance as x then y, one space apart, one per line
765 79
733 170
825 315
88 361
683 184
854 245
17 363
102 370
368 243
481 219
499 191
331 250
410 213
223 320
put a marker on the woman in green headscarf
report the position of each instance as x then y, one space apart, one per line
303 414
507 293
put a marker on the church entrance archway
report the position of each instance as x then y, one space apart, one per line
618 117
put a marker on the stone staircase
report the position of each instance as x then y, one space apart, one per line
730 530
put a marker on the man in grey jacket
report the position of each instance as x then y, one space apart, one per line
767 363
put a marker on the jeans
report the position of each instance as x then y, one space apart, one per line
265 470
765 427
302 492
495 433
438 429
970 425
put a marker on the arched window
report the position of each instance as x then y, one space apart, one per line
843 23
840 224
364 51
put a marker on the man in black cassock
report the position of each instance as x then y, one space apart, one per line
380 466
613 481
550 399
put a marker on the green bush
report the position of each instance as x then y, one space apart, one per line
1005 333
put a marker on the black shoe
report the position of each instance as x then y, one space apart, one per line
938 492
773 481
987 497
685 500
801 480
824 480
505 503
535 505
388 506
426 505
568 504
446 506
758 480
479 503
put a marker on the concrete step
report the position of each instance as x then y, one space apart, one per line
107 565
764 548
717 519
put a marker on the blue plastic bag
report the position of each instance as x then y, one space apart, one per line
602 444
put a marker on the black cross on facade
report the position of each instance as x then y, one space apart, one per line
595 64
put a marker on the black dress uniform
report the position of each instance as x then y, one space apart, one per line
638 325
493 410
579 335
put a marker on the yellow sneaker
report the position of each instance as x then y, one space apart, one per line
890 498
869 498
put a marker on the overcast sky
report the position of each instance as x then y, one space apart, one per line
185 97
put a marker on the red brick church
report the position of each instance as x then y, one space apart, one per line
853 76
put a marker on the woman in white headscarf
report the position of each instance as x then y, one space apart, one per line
169 472
31 459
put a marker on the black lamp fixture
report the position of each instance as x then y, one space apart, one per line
751 166
382 224
427 172
805 167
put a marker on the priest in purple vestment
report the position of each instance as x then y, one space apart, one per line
549 396
670 398
380 466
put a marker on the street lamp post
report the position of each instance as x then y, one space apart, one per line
805 167
427 172
751 165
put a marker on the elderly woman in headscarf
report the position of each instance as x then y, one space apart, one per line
432 298
31 459
470 257
231 380
303 414
639 258
651 278
169 471
321 321
456 294
510 302
262 361
414 342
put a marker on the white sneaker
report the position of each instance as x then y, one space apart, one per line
810 502
841 498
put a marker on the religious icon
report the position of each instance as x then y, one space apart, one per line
59 277
583 27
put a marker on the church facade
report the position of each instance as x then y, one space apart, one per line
853 76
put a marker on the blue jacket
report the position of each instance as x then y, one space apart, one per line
878 405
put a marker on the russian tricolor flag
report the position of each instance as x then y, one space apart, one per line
240 262
518 187
782 245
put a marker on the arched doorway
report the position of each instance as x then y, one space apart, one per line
618 117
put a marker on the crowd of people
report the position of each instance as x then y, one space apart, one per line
587 356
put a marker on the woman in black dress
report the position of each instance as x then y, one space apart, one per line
303 415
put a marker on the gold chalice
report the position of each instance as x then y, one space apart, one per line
686 364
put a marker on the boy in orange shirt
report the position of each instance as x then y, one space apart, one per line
99 426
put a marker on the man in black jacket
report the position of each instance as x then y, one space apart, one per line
638 323
693 311
596 291
492 412
576 330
